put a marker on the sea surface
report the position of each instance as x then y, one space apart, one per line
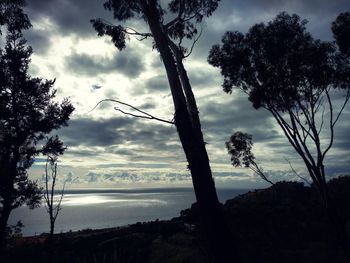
103 208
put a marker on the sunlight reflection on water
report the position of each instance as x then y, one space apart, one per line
81 200
96 208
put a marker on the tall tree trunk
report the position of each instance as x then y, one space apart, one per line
213 222
5 214
8 176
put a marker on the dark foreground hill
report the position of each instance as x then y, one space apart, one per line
284 223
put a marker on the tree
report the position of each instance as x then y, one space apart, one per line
341 32
52 207
285 71
27 115
168 33
240 148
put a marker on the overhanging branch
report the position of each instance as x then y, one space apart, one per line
145 115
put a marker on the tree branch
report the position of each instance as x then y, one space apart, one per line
194 42
144 116
129 30
331 122
296 173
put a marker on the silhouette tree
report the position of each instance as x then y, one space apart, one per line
52 207
284 70
169 28
27 115
240 148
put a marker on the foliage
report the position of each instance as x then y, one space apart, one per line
28 114
184 26
240 149
14 230
341 31
11 14
284 70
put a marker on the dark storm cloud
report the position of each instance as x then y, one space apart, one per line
112 134
157 83
94 132
127 63
71 16
235 15
200 78
39 40
220 119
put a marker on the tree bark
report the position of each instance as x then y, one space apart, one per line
5 214
212 223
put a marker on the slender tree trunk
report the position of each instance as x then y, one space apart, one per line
52 228
213 222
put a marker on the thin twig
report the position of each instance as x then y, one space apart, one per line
194 42
296 173
145 115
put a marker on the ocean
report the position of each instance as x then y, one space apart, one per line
104 208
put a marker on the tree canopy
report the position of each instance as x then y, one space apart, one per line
28 114
183 18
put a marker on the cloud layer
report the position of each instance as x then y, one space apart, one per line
107 148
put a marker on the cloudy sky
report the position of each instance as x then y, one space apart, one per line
108 149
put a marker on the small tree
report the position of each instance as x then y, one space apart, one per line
240 148
169 28
293 76
27 115
52 207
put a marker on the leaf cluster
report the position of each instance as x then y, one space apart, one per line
341 32
12 15
185 16
240 148
278 65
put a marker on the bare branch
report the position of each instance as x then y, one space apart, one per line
322 120
259 171
144 116
177 19
296 173
194 43
306 131
129 31
347 97
333 122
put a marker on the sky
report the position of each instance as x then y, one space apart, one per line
110 150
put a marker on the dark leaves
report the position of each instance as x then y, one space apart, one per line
53 147
123 9
196 8
239 147
278 64
117 33
341 32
